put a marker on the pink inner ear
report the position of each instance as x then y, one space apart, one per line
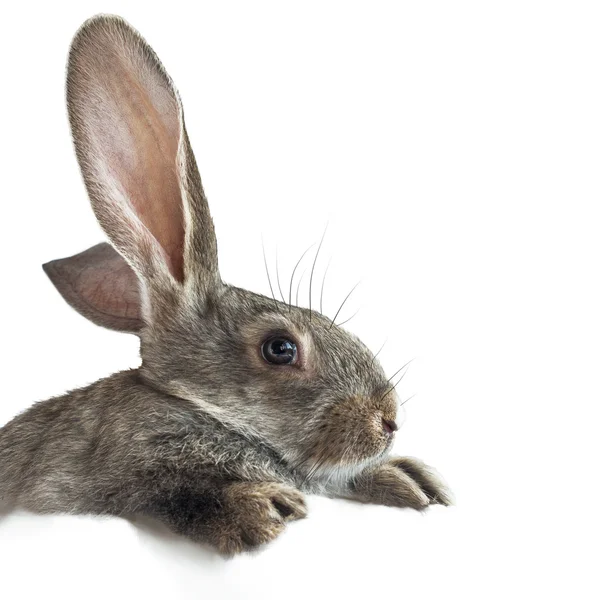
100 285
126 123
144 158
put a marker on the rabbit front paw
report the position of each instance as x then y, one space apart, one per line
402 482
425 477
256 514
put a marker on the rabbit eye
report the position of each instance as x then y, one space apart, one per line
279 351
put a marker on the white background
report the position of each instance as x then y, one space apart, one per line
453 147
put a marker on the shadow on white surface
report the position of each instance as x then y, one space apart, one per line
342 547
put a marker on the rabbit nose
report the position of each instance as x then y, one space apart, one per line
389 426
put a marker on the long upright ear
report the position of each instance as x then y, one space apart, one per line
139 170
101 286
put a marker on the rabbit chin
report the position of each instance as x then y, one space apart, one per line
333 479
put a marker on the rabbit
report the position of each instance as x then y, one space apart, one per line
242 404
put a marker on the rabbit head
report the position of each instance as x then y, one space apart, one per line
285 374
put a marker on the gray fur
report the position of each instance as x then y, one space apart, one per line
205 436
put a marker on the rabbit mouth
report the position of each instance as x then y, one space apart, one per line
389 426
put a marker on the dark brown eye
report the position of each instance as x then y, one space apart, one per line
280 351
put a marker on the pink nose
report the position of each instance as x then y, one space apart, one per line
389 426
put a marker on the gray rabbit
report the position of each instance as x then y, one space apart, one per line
242 403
